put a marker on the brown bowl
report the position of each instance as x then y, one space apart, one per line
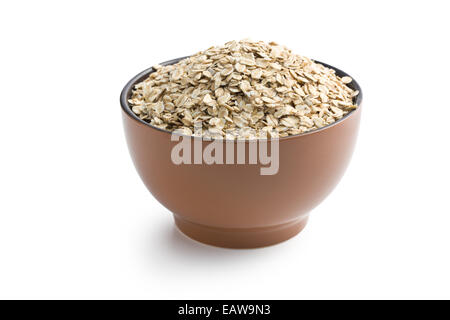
233 205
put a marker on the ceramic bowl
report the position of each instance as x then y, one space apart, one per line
233 205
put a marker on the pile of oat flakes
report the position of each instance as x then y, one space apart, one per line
244 89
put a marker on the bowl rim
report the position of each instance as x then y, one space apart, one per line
127 89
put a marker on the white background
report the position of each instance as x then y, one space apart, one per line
77 222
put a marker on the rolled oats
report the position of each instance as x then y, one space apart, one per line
243 89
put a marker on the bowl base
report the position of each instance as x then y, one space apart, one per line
241 238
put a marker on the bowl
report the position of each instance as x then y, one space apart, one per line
234 205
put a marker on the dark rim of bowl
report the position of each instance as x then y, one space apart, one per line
127 91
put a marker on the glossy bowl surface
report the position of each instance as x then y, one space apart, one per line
233 205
